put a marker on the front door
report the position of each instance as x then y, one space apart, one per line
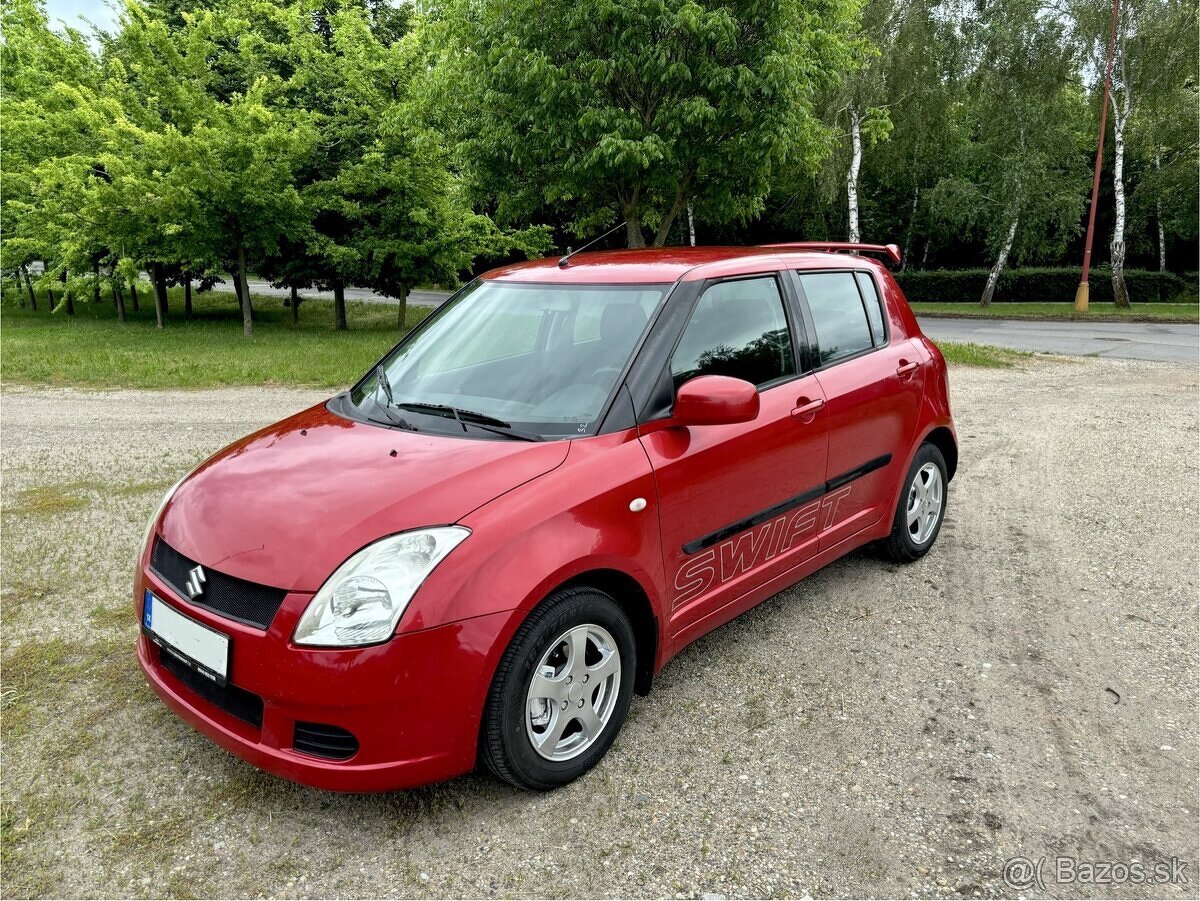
739 504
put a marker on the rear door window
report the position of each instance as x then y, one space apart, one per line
838 313
871 301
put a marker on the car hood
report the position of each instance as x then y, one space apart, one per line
287 505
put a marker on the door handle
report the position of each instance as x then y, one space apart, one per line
905 369
806 409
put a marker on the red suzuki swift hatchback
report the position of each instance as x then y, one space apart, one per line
565 474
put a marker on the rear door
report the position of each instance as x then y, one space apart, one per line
872 381
739 503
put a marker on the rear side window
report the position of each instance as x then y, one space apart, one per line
838 314
870 297
737 329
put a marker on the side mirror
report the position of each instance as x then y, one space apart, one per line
715 400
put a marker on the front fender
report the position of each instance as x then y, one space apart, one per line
530 540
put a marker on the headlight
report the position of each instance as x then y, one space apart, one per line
363 600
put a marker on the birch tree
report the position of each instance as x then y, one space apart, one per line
1020 190
1153 58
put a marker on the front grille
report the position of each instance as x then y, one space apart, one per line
320 740
237 702
247 602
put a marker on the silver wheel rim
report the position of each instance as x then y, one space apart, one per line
924 503
573 692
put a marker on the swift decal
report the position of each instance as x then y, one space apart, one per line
755 546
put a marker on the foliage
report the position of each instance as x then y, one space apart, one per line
382 144
1038 285
634 109
234 135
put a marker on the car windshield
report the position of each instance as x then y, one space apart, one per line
532 359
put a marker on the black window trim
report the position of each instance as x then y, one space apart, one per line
814 347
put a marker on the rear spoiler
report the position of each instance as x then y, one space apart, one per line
891 251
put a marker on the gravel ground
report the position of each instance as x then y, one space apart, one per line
1029 688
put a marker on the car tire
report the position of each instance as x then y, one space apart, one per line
921 508
582 697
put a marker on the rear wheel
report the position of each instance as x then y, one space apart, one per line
561 691
922 506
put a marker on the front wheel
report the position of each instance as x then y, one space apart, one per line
561 691
921 509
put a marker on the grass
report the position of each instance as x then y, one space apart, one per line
1097 312
47 500
93 350
981 355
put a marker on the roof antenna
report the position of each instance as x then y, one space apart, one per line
566 260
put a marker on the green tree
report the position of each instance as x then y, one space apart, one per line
1023 178
46 111
635 108
1154 63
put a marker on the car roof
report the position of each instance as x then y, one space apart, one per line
664 265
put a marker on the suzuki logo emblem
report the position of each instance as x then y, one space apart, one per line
195 582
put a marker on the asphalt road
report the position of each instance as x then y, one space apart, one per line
416 298
1156 342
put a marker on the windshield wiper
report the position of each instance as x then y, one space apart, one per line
382 382
479 420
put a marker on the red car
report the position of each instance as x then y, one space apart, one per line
564 475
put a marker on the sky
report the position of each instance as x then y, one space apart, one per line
99 12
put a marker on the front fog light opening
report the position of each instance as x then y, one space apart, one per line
363 600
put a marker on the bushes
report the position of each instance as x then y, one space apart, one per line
1041 285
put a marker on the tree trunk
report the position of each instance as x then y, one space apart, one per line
119 300
133 298
402 306
237 286
29 286
1117 248
50 298
633 227
691 227
852 175
244 293
295 306
339 306
1162 233
664 227
160 295
187 298
96 282
989 289
70 298
912 226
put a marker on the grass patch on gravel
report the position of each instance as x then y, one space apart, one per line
981 355
93 350
1097 312
46 500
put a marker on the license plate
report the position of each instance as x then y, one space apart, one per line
205 650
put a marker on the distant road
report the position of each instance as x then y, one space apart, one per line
1159 342
416 298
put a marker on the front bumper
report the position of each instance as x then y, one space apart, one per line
413 703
